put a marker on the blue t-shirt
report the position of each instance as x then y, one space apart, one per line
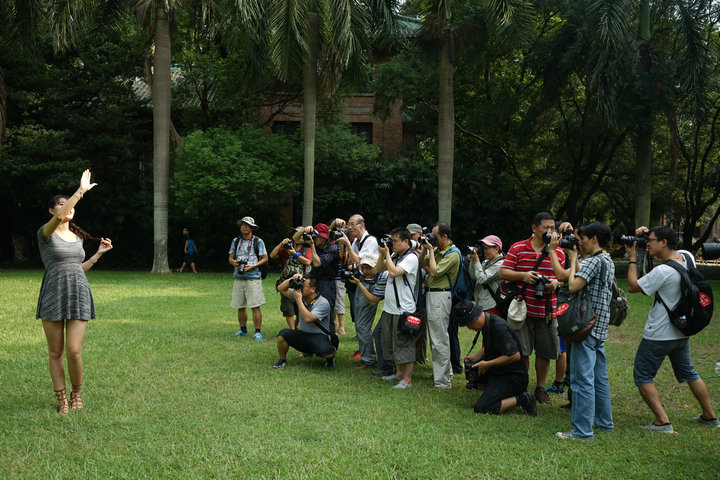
243 249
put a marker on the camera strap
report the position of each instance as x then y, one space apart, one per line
474 342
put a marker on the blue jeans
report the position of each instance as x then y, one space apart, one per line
590 387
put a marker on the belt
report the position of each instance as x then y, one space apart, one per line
439 289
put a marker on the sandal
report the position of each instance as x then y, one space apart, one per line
75 400
63 408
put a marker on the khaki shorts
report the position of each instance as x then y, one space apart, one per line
247 294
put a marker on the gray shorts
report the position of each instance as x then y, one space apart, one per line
339 297
539 336
397 346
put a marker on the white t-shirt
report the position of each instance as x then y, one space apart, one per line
368 246
406 293
664 280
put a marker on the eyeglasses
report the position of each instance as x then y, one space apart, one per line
653 239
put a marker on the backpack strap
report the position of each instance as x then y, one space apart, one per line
449 251
683 274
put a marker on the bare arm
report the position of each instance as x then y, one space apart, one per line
105 246
70 203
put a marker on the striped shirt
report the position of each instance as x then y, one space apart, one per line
522 258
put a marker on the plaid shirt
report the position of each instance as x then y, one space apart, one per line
600 290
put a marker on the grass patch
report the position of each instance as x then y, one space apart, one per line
170 394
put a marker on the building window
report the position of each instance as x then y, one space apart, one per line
363 129
285 127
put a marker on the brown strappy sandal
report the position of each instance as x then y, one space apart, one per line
63 408
75 400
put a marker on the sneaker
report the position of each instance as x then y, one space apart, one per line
556 388
401 385
280 364
390 378
258 336
713 422
531 406
382 373
541 395
355 356
329 362
667 428
566 435
240 333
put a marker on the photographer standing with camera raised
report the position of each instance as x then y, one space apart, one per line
362 243
443 267
400 299
661 338
325 260
296 258
528 264
588 362
315 313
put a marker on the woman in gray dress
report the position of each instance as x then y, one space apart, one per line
65 303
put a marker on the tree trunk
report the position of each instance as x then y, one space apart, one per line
446 130
643 145
161 140
309 109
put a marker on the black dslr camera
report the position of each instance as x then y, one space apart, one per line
338 233
352 271
296 283
429 238
568 240
474 249
540 286
630 239
309 237
471 375
241 265
386 242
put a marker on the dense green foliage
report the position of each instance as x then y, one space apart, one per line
546 118
168 393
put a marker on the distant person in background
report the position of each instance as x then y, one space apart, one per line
190 251
66 303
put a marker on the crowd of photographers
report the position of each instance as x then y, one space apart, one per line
419 274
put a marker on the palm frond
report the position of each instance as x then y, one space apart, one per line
288 41
513 21
693 54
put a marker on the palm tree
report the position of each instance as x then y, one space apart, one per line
157 15
510 22
318 40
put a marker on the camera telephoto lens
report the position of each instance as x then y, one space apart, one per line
547 236
630 239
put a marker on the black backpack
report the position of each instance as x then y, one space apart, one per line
695 308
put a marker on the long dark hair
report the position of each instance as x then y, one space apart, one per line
73 227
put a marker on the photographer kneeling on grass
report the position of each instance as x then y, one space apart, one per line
315 314
498 368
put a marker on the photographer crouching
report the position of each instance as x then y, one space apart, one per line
498 368
315 313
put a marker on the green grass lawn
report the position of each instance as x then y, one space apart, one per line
169 393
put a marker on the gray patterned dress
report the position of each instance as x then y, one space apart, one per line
65 292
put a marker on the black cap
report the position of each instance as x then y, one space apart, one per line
466 312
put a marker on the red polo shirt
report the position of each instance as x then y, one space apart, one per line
522 258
